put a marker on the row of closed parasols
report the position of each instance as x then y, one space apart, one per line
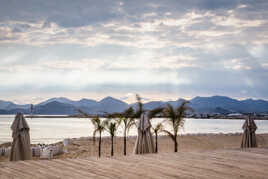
21 145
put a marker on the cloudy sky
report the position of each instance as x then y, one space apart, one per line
161 49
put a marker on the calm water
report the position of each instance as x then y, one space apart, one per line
50 130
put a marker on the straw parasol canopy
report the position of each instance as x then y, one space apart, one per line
21 145
144 143
249 136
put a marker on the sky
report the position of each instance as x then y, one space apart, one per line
160 49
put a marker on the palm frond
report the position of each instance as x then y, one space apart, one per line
169 112
118 121
130 124
115 115
158 128
179 123
170 115
95 121
128 113
183 108
83 113
110 126
153 113
169 134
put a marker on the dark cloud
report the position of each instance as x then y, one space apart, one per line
67 13
219 4
70 13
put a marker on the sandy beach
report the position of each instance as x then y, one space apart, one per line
84 147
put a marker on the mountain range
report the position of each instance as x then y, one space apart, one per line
65 106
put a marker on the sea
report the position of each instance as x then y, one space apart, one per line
51 130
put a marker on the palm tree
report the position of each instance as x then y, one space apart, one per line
158 128
175 117
128 120
111 126
99 127
128 117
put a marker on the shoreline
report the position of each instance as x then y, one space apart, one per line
134 137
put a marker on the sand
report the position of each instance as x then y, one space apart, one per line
84 147
216 164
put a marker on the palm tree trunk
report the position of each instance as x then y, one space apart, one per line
125 142
156 143
112 149
175 144
100 145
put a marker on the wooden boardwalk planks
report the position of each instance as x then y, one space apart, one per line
218 164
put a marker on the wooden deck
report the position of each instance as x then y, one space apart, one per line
251 163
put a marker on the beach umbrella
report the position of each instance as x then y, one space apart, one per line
144 143
21 145
249 136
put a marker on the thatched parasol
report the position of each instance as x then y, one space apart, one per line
249 136
144 143
21 145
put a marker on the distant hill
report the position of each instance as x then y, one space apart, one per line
211 104
65 106
86 103
7 105
82 102
111 105
106 105
55 108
